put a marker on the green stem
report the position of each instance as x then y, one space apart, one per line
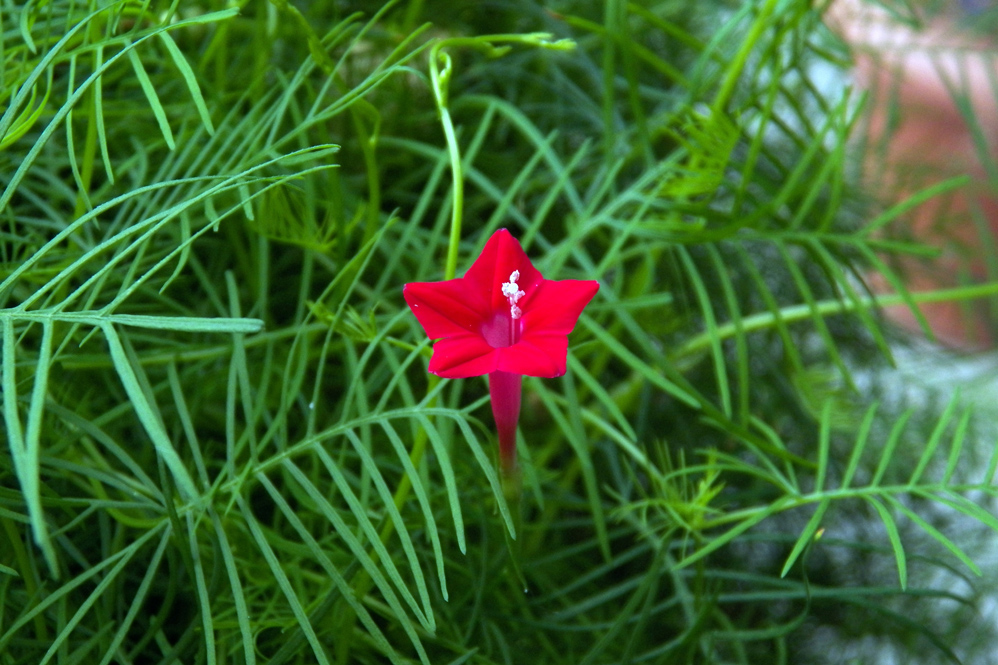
457 203
734 71
368 146
765 320
363 583
13 534
439 81
90 142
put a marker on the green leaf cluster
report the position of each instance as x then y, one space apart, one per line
221 444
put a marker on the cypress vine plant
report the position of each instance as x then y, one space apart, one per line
222 443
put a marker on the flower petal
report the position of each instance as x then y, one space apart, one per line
501 255
555 306
535 355
462 356
446 309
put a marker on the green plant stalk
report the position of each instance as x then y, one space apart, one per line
439 81
790 501
610 15
89 153
30 587
412 14
454 154
741 58
763 320
643 53
363 583
368 145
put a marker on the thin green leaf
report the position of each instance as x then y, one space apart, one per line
895 538
887 455
935 533
246 633
710 325
934 440
282 581
201 591
450 479
422 497
136 601
30 481
106 582
359 551
150 92
346 592
719 541
371 467
957 446
824 444
636 364
147 416
806 536
861 438
192 85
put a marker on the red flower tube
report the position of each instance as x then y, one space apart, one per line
502 319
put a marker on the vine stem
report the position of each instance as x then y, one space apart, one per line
439 81
439 84
768 319
741 58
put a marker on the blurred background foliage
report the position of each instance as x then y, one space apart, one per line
222 445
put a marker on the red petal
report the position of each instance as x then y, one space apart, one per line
462 356
501 255
555 306
446 308
535 355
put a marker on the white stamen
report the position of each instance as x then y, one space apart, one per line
513 293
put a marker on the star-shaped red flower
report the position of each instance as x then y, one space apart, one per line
502 316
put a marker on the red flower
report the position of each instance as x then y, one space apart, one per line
502 319
473 316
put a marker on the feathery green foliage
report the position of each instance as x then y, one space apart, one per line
222 444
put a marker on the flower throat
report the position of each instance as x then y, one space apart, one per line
503 329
